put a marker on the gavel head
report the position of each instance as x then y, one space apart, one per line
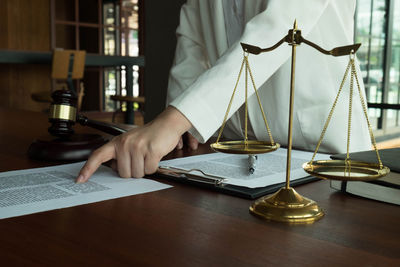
62 113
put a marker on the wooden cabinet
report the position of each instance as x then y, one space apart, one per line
102 27
24 25
108 31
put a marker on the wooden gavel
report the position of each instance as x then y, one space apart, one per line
63 116
65 145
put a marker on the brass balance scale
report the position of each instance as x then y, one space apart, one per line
286 205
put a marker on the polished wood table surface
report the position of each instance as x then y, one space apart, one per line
188 226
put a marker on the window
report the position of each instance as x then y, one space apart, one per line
121 37
102 27
377 27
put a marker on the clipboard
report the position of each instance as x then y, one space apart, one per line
219 184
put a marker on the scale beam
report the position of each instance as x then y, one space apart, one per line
297 38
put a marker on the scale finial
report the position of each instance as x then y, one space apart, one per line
295 24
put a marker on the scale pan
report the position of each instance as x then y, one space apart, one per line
339 170
240 147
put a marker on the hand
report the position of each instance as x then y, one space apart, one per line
139 151
189 140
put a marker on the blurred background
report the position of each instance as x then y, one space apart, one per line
130 46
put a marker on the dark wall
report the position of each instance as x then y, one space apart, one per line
161 20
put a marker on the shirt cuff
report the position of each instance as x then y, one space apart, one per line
200 114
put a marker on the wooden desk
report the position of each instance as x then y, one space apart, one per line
188 226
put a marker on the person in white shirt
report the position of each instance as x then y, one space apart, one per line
206 65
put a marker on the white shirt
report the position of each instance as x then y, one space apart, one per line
205 70
234 20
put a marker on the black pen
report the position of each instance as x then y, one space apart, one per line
252 163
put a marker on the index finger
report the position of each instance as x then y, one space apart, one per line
99 156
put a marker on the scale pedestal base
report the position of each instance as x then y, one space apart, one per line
287 205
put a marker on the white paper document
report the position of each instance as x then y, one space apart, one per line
270 167
35 190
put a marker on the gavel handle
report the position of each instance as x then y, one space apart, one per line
102 126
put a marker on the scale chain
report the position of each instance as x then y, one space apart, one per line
366 117
331 111
259 104
351 65
246 103
245 63
230 102
350 111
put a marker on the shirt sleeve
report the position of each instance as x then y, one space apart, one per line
205 101
190 58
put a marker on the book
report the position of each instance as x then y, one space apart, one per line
385 189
